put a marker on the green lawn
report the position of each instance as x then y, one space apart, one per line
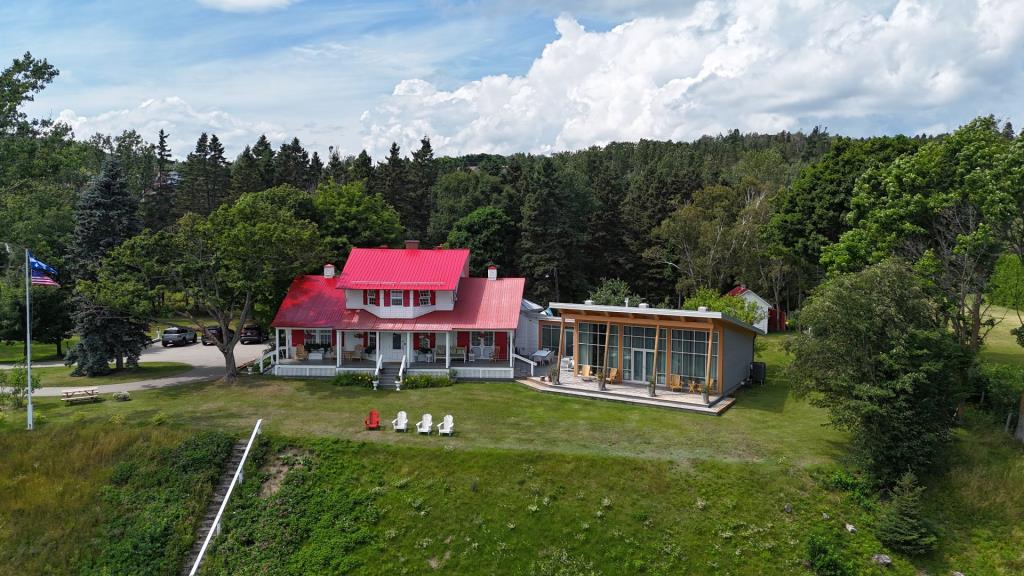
1000 345
13 352
531 484
60 376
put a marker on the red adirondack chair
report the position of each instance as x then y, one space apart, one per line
372 421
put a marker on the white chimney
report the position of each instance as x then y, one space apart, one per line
588 302
702 308
492 272
645 305
328 270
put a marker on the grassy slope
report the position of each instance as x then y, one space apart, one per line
60 376
13 352
466 502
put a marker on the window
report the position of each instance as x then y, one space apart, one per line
592 345
371 297
690 353
396 297
424 298
396 341
318 337
549 337
482 339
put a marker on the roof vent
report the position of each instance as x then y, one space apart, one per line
492 272
645 305
412 244
702 308
588 302
328 270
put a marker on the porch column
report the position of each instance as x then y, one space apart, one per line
561 349
448 350
277 345
288 342
604 363
337 348
707 370
576 349
408 347
511 343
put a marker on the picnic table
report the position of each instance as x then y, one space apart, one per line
73 395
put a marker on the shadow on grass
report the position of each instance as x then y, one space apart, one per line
771 397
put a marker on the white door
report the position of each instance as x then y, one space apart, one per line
393 346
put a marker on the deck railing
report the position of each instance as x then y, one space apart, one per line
237 479
525 359
401 372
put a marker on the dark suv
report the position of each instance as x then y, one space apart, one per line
252 334
176 335
211 333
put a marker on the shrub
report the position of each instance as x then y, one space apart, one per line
16 382
824 556
353 379
122 396
158 418
414 381
900 525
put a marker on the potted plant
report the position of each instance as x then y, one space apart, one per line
553 371
600 380
651 385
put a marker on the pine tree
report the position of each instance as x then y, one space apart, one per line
316 171
416 204
291 165
361 168
218 175
337 169
194 177
158 204
900 525
245 175
389 179
263 153
105 216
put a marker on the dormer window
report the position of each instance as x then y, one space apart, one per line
396 298
371 297
424 298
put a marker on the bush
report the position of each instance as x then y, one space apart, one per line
16 382
824 556
122 396
414 381
353 379
900 525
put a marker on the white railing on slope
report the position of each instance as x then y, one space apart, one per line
527 360
380 366
401 372
237 479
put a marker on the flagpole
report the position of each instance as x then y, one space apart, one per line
28 333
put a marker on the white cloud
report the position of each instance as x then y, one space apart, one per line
245 5
176 117
858 67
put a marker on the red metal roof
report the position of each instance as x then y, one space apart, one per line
403 269
737 291
313 302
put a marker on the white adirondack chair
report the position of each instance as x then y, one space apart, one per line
447 425
401 424
424 425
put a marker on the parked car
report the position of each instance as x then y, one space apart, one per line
211 333
175 335
252 334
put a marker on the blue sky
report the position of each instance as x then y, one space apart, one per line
504 76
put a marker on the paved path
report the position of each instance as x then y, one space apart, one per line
207 364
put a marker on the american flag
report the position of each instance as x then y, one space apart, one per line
41 279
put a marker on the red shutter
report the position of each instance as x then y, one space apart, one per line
462 339
433 340
387 297
334 338
366 339
415 298
405 297
433 297
298 337
366 297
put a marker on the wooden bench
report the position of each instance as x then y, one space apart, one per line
80 395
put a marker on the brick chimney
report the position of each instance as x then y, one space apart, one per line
412 244
492 272
328 270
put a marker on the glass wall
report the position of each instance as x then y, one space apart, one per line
638 362
689 353
549 338
592 345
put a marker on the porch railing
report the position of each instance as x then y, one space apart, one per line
525 359
380 366
401 372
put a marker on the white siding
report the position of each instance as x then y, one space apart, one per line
739 353
443 300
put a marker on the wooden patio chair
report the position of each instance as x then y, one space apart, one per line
614 376
693 385
301 353
674 383
585 374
